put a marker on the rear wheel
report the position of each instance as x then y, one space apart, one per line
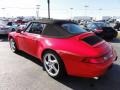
13 45
53 65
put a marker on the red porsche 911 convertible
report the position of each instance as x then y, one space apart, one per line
64 48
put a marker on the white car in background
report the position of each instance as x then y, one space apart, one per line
23 26
6 27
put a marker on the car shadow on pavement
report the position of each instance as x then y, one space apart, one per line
110 81
3 38
29 57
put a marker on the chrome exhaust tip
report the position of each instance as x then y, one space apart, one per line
96 78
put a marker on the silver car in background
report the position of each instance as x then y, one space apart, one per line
5 28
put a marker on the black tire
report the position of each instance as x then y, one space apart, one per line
13 29
13 45
61 69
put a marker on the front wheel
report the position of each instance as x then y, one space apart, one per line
53 65
13 45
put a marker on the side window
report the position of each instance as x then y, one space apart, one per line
36 28
73 28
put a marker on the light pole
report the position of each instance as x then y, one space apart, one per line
3 10
100 9
71 12
37 11
48 1
86 6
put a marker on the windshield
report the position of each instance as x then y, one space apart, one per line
73 28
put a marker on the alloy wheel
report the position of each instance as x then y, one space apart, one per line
51 64
12 45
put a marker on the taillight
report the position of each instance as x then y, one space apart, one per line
93 60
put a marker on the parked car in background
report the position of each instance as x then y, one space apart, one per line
102 29
22 26
64 47
20 21
5 27
117 26
13 26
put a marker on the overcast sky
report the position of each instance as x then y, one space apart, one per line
60 8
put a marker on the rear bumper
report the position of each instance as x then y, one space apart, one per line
75 67
90 70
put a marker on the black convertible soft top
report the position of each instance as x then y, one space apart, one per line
47 21
54 29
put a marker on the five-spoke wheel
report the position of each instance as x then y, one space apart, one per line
13 45
53 64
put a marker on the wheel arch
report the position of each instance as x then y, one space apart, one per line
46 50
10 36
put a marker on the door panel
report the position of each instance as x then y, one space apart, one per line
20 41
29 39
31 43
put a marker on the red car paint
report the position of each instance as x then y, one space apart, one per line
79 57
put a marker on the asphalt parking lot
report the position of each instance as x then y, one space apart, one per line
23 72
